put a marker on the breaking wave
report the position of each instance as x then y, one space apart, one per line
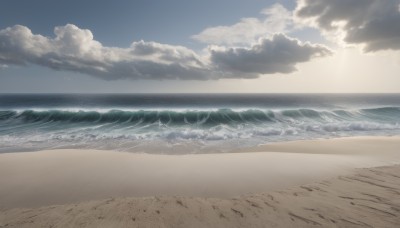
203 117
128 129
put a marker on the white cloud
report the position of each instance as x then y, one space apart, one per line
278 54
74 49
375 24
276 19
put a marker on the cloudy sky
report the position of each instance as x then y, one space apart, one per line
234 46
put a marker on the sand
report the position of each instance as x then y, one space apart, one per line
292 184
369 198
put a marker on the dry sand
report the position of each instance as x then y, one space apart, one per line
369 198
297 187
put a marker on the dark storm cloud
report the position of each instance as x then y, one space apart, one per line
373 23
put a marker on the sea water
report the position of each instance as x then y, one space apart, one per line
188 123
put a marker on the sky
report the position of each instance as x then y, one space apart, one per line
219 46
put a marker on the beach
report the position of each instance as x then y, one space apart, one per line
344 182
206 114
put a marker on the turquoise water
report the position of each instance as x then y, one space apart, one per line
160 123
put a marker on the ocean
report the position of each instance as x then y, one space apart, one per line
188 123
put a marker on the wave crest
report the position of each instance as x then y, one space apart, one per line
212 117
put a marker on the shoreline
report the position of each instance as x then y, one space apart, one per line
180 149
40 178
57 182
70 176
312 146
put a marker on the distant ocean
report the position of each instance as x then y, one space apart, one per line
166 123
